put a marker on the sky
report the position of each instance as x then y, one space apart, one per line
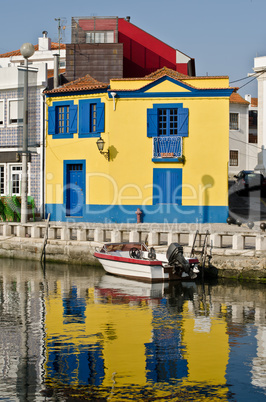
222 36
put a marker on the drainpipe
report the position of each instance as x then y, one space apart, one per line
56 70
43 179
113 94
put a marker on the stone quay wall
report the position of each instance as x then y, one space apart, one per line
236 251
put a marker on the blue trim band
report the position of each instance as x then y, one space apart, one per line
192 92
159 213
167 160
210 93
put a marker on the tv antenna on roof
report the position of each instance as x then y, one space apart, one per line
61 26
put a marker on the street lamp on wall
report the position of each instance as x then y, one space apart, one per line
27 50
100 144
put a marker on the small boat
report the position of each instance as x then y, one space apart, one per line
134 260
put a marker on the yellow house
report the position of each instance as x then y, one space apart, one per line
158 143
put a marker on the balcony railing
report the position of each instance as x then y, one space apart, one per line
167 147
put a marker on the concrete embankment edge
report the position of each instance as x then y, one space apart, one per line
247 264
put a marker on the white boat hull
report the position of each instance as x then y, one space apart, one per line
144 269
134 270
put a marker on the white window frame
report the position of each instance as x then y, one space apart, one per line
238 121
9 183
15 124
2 112
238 154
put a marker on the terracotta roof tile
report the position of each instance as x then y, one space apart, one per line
166 71
236 98
50 73
89 83
254 102
85 83
54 46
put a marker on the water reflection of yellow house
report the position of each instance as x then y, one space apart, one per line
206 349
116 332
106 338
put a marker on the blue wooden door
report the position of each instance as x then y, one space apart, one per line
75 189
167 186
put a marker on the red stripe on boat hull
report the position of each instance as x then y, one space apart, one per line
104 256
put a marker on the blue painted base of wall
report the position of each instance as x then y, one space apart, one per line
160 213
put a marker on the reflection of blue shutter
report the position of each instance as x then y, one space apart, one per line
100 117
152 122
73 119
51 120
183 122
84 117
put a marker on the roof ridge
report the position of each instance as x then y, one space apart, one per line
166 71
54 46
87 82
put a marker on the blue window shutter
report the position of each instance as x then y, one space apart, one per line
152 122
51 120
73 119
183 122
100 117
84 117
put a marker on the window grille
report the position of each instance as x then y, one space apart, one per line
234 125
233 158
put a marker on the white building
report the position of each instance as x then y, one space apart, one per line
243 138
44 53
252 147
238 134
41 67
260 69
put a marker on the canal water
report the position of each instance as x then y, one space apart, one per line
70 333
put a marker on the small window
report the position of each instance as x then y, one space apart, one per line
234 124
91 118
2 180
100 37
1 113
168 119
233 158
15 112
63 119
16 173
253 119
253 126
253 138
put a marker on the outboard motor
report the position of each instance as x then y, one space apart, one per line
176 258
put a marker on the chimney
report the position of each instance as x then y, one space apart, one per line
248 98
44 42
